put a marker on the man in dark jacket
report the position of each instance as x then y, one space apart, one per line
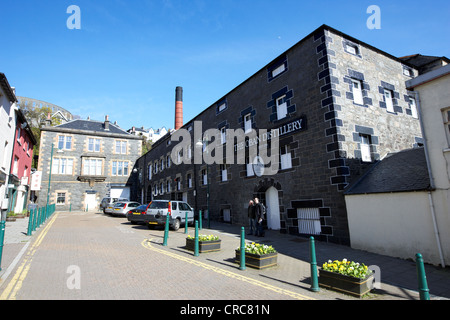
251 218
259 213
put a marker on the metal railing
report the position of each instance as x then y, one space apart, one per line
39 216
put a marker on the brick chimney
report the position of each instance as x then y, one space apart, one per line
178 108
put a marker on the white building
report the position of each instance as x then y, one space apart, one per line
151 134
8 106
402 205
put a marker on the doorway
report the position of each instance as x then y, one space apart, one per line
90 201
272 208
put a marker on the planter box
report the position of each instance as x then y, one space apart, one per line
203 246
10 219
346 284
257 261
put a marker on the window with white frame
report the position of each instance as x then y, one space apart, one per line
64 142
204 177
248 123
178 183
309 221
161 188
121 147
249 167
189 180
223 135
62 166
285 157
93 145
16 166
61 198
281 107
388 97
446 115
120 168
365 148
150 168
223 172
221 106
413 106
161 163
357 91
92 167
168 161
168 186
278 70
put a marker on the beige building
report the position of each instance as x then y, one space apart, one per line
401 206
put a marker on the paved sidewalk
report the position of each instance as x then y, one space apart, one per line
398 277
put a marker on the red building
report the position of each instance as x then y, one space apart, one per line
21 161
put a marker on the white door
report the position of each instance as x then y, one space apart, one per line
90 200
273 209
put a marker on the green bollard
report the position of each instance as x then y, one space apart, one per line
196 254
186 224
2 239
200 226
313 263
242 265
30 222
33 226
70 208
424 292
166 230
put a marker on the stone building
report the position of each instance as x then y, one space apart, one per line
336 104
91 160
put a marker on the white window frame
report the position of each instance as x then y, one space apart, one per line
446 116
92 167
62 166
285 158
120 168
389 99
248 122
278 70
150 168
223 135
16 166
224 172
94 145
121 147
205 177
221 107
281 107
60 195
249 165
365 148
189 180
413 106
66 142
357 91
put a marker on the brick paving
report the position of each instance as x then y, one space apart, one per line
120 261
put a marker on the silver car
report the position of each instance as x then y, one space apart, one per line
121 208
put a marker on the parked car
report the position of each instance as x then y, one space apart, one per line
107 204
136 215
121 208
158 209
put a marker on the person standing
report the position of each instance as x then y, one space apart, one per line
251 218
259 214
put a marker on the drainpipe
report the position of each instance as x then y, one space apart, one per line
432 185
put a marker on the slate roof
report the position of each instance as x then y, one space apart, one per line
90 125
398 172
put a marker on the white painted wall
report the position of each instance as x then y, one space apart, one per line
394 224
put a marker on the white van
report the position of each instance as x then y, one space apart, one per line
158 209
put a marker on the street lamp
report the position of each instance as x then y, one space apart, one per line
200 144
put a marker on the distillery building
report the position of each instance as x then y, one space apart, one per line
336 105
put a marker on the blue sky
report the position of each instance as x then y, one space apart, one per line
129 56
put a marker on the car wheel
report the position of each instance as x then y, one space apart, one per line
176 224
